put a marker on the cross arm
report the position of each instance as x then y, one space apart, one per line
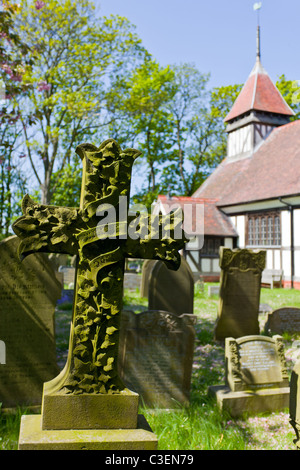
157 237
48 229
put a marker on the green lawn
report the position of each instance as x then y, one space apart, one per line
201 425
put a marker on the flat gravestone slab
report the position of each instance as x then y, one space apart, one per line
28 294
156 356
171 291
256 376
239 296
284 320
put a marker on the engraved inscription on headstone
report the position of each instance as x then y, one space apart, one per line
28 294
239 292
255 362
284 320
259 363
156 356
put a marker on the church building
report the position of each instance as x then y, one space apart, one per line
252 199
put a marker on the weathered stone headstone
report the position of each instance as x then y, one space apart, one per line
239 292
256 376
284 320
146 270
294 404
171 291
28 295
88 399
156 356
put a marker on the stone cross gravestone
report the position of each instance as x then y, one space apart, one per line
239 292
284 320
171 291
256 376
156 356
89 395
28 295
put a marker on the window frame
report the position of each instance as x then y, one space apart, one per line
263 229
214 249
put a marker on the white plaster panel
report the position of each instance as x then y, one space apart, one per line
277 263
285 228
205 265
286 262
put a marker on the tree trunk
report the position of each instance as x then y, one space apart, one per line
45 188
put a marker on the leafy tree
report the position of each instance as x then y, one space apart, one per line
14 58
187 102
143 100
200 131
290 90
209 139
77 54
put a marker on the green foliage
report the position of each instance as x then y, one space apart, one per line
77 55
14 59
66 185
143 99
176 122
290 90
201 426
9 429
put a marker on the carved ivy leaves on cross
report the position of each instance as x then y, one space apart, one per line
94 336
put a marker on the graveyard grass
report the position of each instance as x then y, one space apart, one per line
200 426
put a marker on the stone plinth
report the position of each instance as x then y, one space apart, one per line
250 402
90 411
33 437
86 422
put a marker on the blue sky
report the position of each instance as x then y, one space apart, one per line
217 36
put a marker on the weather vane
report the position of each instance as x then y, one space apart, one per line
257 7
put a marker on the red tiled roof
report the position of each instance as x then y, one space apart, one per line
259 93
215 221
272 171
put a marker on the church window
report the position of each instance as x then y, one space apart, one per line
211 246
277 231
263 229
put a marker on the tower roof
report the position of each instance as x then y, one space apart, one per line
259 94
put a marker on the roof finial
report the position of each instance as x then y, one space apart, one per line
257 7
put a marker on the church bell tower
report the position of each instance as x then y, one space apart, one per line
258 109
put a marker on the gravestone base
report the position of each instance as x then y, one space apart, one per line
251 402
90 411
33 437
